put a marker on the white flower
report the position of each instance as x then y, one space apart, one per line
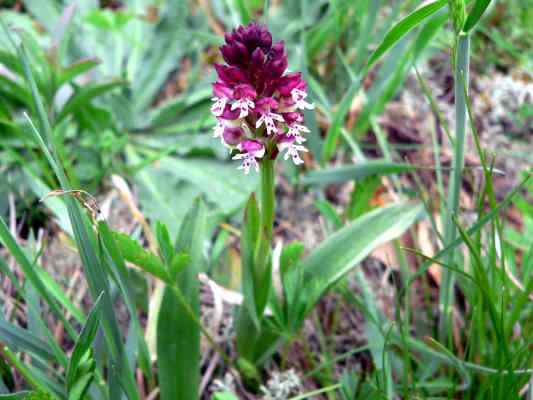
244 105
218 107
295 130
249 159
268 119
292 151
218 132
298 96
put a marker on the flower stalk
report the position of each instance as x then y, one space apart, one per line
268 208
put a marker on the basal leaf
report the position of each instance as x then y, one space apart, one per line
346 248
178 333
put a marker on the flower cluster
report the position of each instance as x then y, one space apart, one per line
258 106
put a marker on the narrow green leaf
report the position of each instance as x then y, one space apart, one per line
249 237
121 377
84 345
356 172
248 324
84 96
59 294
166 248
120 273
23 340
179 262
15 396
178 333
402 28
133 252
27 268
329 213
338 120
479 8
80 387
72 71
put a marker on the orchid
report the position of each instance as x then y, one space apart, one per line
258 105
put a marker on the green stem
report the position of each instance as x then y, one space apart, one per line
262 270
268 200
462 57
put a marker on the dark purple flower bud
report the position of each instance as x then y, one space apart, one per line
230 75
221 90
244 91
289 82
292 117
229 113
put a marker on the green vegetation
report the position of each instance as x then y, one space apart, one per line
393 264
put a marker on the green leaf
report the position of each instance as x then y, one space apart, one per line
356 172
290 257
72 71
23 340
166 247
26 396
346 248
185 179
15 396
402 28
30 274
479 8
82 348
83 97
329 213
338 120
120 273
249 237
133 252
224 396
179 262
178 333
80 387
362 194
248 324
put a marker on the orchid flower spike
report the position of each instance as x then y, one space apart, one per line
258 105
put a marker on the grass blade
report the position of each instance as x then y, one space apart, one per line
27 268
86 243
402 28
356 172
479 8
338 120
